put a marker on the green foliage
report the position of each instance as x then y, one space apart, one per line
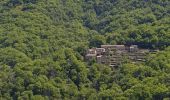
43 43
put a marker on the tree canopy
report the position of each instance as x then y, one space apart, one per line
43 43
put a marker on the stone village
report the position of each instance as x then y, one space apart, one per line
113 55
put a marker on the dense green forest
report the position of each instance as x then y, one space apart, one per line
42 44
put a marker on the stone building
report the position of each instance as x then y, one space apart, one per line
113 55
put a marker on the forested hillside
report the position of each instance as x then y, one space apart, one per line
43 43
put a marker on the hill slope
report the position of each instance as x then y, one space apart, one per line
42 44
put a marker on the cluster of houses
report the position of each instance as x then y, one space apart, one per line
113 55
